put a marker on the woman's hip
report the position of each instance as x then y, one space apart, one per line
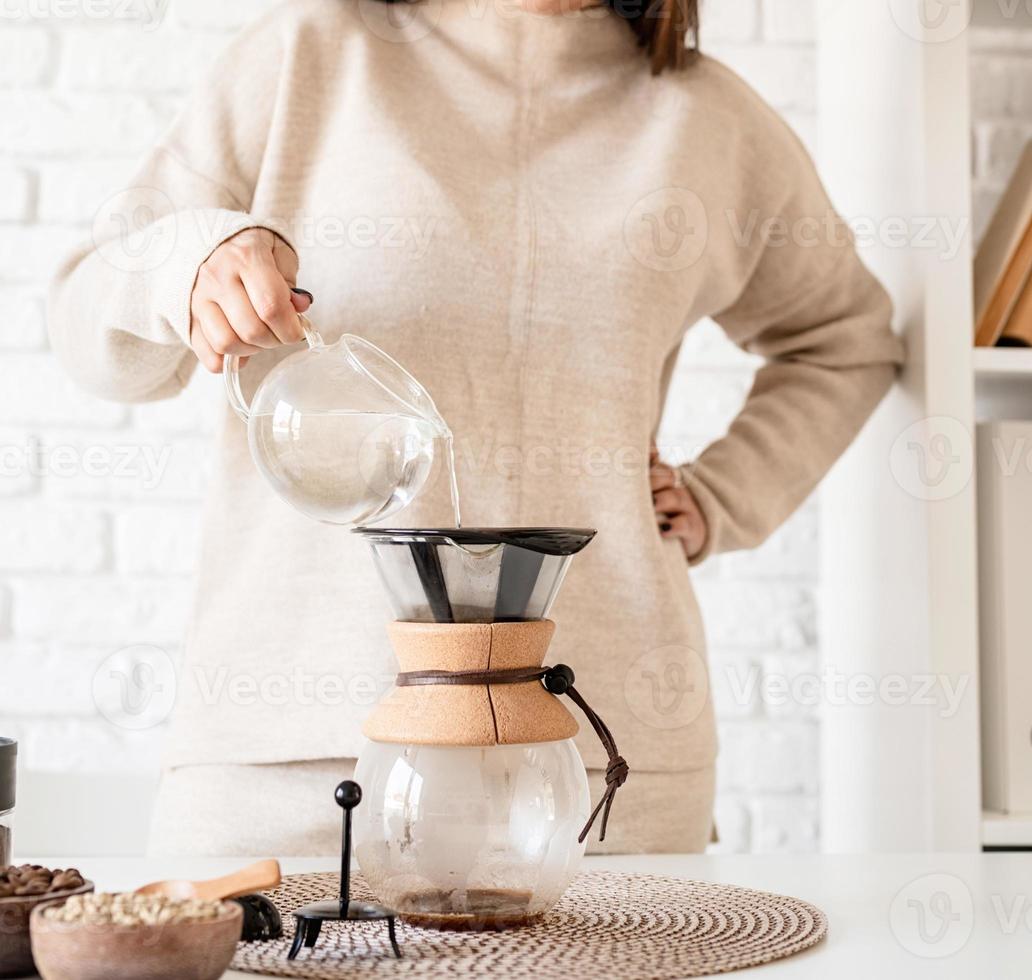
288 810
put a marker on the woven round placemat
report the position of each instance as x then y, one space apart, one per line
635 927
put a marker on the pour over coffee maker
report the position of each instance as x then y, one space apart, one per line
477 802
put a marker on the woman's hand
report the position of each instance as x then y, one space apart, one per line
244 299
677 513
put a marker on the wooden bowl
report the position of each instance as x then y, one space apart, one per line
199 950
15 950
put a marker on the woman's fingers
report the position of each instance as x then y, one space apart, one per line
243 301
302 299
672 501
237 305
689 528
268 292
675 525
661 477
205 354
677 512
286 260
220 333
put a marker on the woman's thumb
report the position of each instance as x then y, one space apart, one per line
302 299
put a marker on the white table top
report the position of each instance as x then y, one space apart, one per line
891 916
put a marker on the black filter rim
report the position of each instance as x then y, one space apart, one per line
561 541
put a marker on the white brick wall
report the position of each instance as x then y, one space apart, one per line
94 559
1001 98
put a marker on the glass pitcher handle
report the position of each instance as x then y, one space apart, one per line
231 370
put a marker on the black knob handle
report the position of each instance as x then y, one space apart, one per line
348 794
559 679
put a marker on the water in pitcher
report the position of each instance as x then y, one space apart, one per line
349 467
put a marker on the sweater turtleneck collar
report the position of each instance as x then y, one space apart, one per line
503 32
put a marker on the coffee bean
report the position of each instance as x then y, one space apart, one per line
130 909
32 888
66 880
33 879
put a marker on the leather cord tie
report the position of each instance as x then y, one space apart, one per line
557 680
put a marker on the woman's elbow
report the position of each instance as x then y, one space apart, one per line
111 364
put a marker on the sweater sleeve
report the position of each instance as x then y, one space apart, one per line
822 323
119 306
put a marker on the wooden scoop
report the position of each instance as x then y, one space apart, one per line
254 878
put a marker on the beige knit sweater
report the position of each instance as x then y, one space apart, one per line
516 210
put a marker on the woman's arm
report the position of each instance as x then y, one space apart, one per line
802 299
822 322
120 307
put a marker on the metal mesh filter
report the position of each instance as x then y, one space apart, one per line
636 927
473 575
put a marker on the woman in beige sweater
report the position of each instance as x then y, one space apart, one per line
528 206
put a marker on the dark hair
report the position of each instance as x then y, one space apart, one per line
668 30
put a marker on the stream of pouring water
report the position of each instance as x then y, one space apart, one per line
449 442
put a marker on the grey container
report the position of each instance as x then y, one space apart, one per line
8 787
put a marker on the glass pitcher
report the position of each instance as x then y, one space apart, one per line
340 431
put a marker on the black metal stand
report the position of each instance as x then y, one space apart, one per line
311 917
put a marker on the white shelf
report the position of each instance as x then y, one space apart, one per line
1002 362
1006 829
1003 382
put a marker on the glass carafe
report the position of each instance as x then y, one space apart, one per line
469 838
340 431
